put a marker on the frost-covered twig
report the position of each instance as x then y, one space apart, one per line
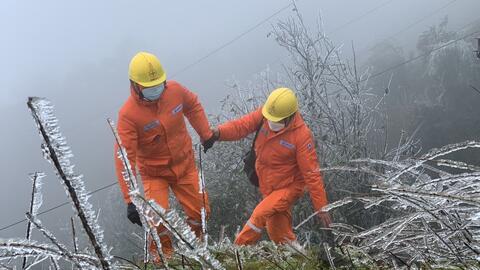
145 249
329 256
438 220
35 203
189 244
13 248
74 236
55 263
53 239
435 153
130 179
326 208
204 198
57 151
153 214
238 260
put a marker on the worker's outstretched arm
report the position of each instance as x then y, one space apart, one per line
128 135
308 163
193 110
241 127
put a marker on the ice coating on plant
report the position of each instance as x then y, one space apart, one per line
202 190
37 261
34 220
438 220
148 225
155 215
36 201
58 153
20 248
37 181
188 243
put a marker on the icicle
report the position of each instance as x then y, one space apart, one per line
58 153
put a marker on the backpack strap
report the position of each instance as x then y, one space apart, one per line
256 134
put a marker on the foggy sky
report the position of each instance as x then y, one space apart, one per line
76 53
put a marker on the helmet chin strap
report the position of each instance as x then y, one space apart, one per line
139 93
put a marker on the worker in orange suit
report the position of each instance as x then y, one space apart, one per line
286 164
152 128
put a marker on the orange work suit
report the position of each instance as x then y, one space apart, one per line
286 164
157 142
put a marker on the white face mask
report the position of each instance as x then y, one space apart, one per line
276 126
153 93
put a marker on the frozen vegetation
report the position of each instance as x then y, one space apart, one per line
394 207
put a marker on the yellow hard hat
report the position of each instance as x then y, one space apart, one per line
281 104
146 70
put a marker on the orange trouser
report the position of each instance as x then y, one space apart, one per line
187 192
274 213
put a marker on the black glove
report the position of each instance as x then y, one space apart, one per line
132 214
209 143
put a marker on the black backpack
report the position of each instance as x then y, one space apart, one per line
249 161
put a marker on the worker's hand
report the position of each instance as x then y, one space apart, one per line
325 218
132 214
209 143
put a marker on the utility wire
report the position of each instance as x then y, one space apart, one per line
214 51
401 30
436 11
421 56
410 26
362 16
423 19
368 12
57 206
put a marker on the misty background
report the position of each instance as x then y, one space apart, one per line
77 54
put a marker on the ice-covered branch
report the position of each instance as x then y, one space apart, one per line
65 252
57 152
437 215
35 203
13 248
154 215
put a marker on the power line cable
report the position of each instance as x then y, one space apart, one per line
368 12
408 27
436 11
214 51
421 56
57 206
423 18
362 16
